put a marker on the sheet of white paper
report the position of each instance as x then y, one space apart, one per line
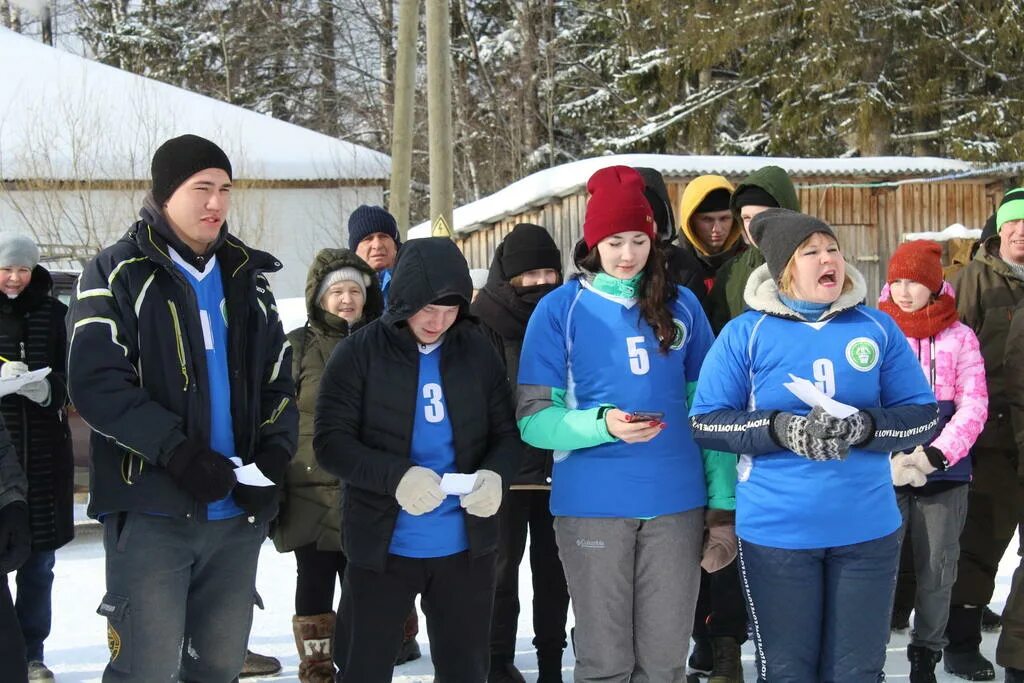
810 394
10 385
456 484
251 475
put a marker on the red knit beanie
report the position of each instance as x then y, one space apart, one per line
920 261
617 204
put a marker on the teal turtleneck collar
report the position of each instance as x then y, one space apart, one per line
808 309
613 286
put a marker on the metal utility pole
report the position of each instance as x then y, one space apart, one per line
439 111
402 121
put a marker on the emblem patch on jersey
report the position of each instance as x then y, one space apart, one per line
113 642
679 338
862 353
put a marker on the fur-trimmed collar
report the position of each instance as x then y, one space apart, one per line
762 294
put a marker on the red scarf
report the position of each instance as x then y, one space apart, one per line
924 322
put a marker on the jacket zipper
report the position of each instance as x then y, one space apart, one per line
179 342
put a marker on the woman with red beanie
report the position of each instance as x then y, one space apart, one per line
604 372
931 481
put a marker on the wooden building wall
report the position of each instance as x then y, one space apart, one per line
870 222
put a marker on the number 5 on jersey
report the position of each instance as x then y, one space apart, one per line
434 410
639 362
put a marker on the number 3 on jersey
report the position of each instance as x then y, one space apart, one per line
434 410
639 362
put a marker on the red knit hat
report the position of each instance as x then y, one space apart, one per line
617 204
920 261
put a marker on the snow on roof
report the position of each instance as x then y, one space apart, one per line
956 231
561 181
64 117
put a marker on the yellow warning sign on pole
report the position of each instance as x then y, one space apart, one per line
441 228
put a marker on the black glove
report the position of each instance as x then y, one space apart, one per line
202 472
273 463
791 432
15 536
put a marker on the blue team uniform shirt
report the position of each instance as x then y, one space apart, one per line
861 358
599 350
209 291
442 531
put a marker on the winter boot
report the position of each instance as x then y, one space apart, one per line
727 667
549 667
314 636
259 665
990 621
37 671
900 619
1014 676
962 657
410 649
922 663
702 658
504 671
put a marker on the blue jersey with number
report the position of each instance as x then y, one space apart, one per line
860 358
209 290
442 531
600 351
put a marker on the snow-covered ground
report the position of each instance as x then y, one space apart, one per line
77 652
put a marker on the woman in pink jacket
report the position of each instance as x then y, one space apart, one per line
932 480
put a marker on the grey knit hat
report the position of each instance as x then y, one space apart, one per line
18 250
347 273
778 232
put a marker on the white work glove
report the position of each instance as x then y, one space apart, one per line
904 473
919 459
419 491
37 391
12 368
485 498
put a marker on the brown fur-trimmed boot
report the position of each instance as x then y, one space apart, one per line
314 639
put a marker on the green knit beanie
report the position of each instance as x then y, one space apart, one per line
1011 208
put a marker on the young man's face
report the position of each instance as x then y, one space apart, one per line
198 208
378 250
712 228
1011 241
431 322
14 280
747 214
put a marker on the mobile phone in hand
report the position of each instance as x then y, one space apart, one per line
645 416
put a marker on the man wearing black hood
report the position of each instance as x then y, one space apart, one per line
414 395
526 266
178 362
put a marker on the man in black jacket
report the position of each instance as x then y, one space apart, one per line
178 362
418 394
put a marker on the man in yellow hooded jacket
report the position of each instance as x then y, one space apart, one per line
709 229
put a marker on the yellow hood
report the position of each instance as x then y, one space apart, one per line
693 195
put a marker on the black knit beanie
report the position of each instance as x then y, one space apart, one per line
179 159
778 233
529 247
753 195
367 220
716 200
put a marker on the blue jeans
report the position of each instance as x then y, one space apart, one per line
35 585
178 581
820 614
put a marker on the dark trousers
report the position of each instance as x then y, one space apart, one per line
35 586
523 510
721 609
317 573
821 614
457 593
12 646
1010 649
174 582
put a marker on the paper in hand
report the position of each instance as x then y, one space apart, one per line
810 394
10 385
250 474
456 484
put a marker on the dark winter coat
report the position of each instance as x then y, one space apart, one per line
13 483
32 331
987 294
503 316
366 408
311 502
725 300
137 367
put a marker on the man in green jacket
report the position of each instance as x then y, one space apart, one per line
767 187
